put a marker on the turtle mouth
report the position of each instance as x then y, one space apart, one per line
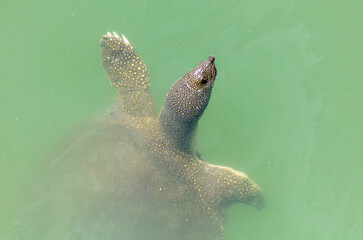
213 70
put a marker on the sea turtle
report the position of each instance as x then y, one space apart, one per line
136 175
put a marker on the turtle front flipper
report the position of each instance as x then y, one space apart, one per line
128 74
233 186
239 187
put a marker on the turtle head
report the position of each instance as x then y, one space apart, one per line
194 90
185 103
201 77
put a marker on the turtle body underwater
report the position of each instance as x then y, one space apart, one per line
137 175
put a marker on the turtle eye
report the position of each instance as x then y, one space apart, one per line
204 81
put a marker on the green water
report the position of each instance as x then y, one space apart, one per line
286 107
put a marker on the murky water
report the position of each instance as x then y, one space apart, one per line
286 106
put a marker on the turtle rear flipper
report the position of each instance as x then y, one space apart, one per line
127 73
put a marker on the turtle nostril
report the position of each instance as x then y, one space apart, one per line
211 58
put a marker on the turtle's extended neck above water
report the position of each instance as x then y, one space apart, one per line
185 103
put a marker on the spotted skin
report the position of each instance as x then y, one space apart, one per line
136 175
185 103
201 192
128 74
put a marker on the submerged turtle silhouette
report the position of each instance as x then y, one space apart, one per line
137 174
